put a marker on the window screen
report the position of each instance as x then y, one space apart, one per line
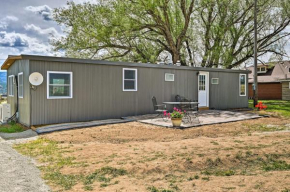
215 81
60 84
129 79
169 77
242 85
20 85
10 85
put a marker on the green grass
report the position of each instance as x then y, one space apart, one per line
276 106
53 159
154 189
219 172
11 128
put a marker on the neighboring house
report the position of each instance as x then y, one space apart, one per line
76 90
273 81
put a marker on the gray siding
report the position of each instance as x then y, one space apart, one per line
285 91
24 103
98 94
226 94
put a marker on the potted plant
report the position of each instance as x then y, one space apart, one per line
176 116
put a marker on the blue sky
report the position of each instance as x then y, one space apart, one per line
26 27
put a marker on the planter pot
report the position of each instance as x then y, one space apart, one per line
176 122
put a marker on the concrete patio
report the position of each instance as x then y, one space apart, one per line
208 117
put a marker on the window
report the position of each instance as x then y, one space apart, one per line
169 77
11 85
20 85
215 81
289 85
129 79
261 70
201 82
242 85
59 85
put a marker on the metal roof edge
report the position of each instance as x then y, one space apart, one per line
9 61
121 63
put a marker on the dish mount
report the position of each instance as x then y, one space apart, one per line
35 79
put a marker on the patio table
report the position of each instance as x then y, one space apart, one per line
187 115
180 103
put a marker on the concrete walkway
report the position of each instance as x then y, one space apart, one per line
209 117
67 126
17 172
25 134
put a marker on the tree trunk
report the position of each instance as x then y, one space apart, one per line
189 52
175 56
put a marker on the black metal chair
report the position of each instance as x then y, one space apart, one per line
160 109
191 109
178 98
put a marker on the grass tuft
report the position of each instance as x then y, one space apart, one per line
12 127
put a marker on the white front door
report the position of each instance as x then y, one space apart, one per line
203 89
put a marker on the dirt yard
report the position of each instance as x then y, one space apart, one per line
251 155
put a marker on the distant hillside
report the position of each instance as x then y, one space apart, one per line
3 83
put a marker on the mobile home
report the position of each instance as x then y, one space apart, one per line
75 90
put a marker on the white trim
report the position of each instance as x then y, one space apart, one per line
22 85
245 85
207 86
71 85
166 79
213 82
9 87
136 79
259 69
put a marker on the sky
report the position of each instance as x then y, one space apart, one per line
26 27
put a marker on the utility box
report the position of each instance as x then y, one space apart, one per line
5 112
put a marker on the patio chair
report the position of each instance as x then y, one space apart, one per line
192 109
189 108
160 109
178 98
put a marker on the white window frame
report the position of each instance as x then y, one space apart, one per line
215 79
166 75
21 85
11 77
259 69
136 79
245 85
71 85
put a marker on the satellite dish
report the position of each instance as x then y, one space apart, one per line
35 79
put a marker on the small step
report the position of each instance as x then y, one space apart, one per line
203 108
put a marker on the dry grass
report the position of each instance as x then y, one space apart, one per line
138 157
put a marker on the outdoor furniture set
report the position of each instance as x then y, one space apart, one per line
183 111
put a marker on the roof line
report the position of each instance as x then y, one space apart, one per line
10 60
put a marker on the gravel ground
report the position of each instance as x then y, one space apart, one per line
17 172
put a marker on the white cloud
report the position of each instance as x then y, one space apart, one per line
18 42
4 22
85 1
44 10
49 31
13 39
